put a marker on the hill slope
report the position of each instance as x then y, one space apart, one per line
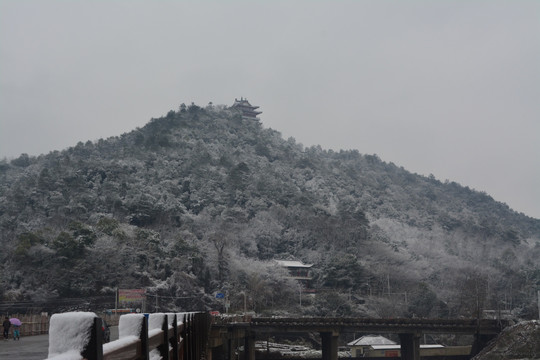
201 200
520 341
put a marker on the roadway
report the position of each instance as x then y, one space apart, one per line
32 347
28 347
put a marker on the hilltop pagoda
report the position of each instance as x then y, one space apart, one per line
248 110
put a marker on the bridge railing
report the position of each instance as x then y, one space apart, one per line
163 335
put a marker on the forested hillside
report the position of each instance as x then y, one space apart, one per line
202 200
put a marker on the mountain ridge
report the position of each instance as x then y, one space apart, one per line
186 181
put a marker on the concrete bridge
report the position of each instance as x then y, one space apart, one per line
225 332
196 336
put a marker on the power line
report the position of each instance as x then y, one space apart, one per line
171 297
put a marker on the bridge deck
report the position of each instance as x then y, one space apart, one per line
368 325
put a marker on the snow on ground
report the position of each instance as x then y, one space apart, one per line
297 351
520 341
154 355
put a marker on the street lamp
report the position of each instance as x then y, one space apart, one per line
245 301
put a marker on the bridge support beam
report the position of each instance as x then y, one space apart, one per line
329 342
410 346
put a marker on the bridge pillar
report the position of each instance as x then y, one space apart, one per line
410 346
480 342
225 351
329 342
230 348
249 347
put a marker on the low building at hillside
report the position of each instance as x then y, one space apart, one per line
298 271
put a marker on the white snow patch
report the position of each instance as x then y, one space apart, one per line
155 321
181 316
70 355
155 355
130 324
170 318
154 332
120 343
69 333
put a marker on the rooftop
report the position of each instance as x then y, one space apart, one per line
370 340
248 110
293 263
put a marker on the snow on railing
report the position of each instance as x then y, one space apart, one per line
79 335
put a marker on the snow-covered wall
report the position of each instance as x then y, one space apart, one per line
130 325
69 334
155 321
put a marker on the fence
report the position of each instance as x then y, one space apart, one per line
166 336
38 324
33 324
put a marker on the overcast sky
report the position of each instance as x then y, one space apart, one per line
449 88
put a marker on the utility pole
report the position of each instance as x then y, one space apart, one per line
116 302
227 302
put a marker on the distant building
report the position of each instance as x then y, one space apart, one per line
362 345
379 346
248 110
497 314
298 271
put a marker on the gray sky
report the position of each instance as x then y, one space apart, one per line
450 88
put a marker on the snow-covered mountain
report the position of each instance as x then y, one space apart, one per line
202 200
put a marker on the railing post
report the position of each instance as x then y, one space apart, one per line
185 341
164 347
182 334
94 348
191 342
197 331
174 340
127 323
145 348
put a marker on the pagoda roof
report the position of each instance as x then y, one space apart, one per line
243 102
247 109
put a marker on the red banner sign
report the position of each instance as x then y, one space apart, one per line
131 295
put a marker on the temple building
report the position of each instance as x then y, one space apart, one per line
248 111
298 271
